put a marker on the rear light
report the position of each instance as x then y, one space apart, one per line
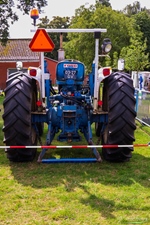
106 71
32 72
39 103
100 103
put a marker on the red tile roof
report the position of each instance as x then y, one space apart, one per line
18 49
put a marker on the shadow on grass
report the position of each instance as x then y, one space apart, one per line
51 175
107 207
71 176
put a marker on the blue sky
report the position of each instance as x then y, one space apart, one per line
21 29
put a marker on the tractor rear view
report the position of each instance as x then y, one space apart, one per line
107 100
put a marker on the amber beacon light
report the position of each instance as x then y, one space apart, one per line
34 14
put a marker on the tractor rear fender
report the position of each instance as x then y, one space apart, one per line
36 74
103 73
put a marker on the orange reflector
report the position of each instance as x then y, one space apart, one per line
106 71
41 42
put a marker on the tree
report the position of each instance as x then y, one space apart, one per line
57 22
115 60
142 21
81 45
104 2
8 15
134 55
132 9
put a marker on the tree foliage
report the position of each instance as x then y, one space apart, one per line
142 21
8 14
132 9
134 55
81 46
104 2
128 35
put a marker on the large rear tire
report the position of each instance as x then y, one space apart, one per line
121 117
18 130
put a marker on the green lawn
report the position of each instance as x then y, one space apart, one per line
72 194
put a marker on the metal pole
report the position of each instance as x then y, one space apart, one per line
95 103
43 80
73 30
77 146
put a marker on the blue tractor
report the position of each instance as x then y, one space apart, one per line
106 100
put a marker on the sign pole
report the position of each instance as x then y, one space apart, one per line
43 80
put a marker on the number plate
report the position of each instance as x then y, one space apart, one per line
70 74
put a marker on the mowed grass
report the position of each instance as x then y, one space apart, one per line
72 194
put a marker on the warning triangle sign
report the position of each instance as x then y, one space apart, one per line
41 42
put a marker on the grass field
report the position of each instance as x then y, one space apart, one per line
72 194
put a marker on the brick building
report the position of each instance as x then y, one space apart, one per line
51 63
18 50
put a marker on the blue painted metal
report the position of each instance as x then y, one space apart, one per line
48 84
71 160
68 71
71 109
